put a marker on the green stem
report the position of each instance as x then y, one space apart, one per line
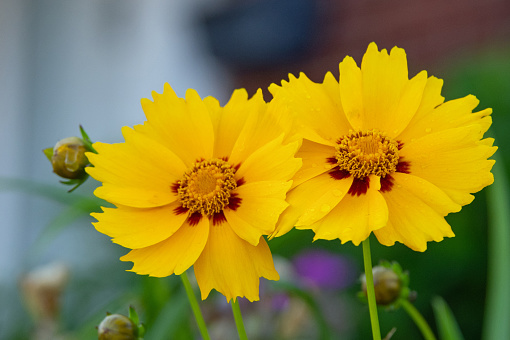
239 320
372 306
418 319
194 306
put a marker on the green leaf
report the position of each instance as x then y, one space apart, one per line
70 214
170 318
446 324
35 188
497 312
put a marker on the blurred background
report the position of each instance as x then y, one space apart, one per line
65 63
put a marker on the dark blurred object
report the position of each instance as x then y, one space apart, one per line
431 32
261 34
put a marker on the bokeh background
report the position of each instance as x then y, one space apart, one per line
66 62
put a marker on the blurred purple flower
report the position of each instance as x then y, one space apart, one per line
323 269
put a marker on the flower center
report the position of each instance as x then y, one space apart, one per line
364 153
206 187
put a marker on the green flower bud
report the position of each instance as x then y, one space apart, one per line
387 285
117 327
68 159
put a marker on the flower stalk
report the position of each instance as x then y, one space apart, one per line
418 319
372 306
239 320
194 306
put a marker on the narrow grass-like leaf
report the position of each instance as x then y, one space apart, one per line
445 320
497 309
170 318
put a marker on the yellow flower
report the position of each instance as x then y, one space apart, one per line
198 185
383 153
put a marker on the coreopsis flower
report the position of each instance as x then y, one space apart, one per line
383 153
198 185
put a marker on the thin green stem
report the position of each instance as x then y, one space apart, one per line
418 319
372 306
194 306
239 320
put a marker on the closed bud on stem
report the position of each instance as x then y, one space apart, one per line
68 159
387 285
117 327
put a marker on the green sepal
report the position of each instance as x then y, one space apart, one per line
48 152
133 315
86 140
76 182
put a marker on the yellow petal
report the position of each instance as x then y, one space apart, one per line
314 156
271 162
453 160
355 217
173 255
431 98
384 79
430 194
351 92
319 117
183 126
137 173
137 228
232 266
262 126
412 221
312 200
409 102
452 114
261 205
229 122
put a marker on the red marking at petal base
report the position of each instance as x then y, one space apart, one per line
359 186
219 218
386 183
224 158
339 174
236 167
180 210
240 181
175 187
400 145
404 166
234 201
194 218
332 160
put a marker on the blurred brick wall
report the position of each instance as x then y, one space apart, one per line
429 30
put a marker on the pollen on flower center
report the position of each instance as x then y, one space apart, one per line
364 153
206 187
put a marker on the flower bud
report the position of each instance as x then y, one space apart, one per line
117 327
68 159
387 285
